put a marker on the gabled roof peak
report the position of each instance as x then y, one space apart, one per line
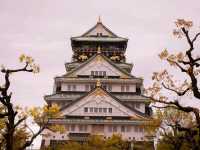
99 20
99 30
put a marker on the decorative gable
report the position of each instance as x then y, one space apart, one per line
99 30
99 66
99 103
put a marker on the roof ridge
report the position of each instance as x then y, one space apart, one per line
99 23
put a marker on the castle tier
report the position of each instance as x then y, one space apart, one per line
98 94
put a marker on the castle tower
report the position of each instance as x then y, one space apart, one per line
98 94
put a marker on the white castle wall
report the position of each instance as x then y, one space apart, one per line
131 132
115 87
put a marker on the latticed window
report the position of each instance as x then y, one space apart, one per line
72 127
95 110
136 129
141 129
114 128
104 86
92 86
58 87
74 87
127 88
87 87
109 87
69 87
91 109
85 109
128 128
109 128
110 110
100 110
122 128
122 88
98 73
137 105
104 73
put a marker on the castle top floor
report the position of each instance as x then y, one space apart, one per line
97 38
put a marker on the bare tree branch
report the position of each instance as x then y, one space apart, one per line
28 143
161 107
178 65
177 92
196 36
19 121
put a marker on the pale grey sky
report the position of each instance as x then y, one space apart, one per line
42 29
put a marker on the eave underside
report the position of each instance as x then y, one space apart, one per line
96 121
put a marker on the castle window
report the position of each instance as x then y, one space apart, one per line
92 73
74 87
99 34
85 109
138 90
110 110
137 105
128 128
87 87
69 87
100 73
127 88
72 127
100 110
92 86
96 73
110 88
85 128
105 110
91 109
58 88
80 127
109 128
141 129
104 86
114 128
95 110
122 88
136 129
104 73
122 128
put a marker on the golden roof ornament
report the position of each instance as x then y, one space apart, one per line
99 19
99 49
98 84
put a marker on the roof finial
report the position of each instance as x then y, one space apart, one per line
99 49
99 19
98 84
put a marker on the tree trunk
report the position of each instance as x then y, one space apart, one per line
10 125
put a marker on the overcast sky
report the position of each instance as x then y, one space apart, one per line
42 29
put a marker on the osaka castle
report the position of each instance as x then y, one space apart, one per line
98 95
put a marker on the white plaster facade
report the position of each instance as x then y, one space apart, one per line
98 97
128 132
